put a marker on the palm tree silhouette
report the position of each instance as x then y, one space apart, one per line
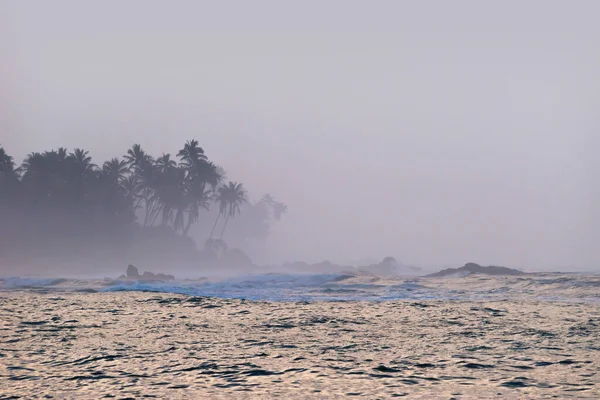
276 208
136 157
131 187
7 164
57 197
198 196
191 154
234 196
201 178
164 163
115 170
81 160
9 179
221 200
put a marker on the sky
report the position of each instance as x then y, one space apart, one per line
436 132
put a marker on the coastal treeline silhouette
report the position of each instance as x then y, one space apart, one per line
59 202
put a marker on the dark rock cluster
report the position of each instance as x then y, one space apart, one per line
472 268
133 273
389 267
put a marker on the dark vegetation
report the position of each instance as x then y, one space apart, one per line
59 205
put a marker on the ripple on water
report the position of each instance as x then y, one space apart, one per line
165 345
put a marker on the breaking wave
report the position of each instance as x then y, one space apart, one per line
16 282
275 287
340 287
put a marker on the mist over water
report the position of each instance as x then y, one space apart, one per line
293 287
329 199
442 135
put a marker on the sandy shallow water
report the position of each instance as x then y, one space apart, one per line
160 345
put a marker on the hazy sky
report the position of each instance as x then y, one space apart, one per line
438 132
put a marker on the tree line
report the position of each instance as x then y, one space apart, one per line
59 196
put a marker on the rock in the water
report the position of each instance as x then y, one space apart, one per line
151 277
389 267
472 268
132 271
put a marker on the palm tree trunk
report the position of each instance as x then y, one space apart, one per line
147 218
214 226
179 221
153 213
187 226
149 204
193 212
224 226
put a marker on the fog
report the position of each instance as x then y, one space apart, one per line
435 132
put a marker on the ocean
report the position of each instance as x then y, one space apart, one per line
302 336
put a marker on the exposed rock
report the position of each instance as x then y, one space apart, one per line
133 274
388 267
150 277
472 268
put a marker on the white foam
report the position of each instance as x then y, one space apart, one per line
279 287
333 286
15 282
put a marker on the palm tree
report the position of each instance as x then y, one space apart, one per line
9 204
81 157
165 163
7 164
168 195
81 160
200 173
278 209
275 208
221 199
205 172
234 196
61 153
115 170
142 166
60 197
44 177
191 154
77 169
198 196
9 177
200 177
132 188
34 162
135 157
267 199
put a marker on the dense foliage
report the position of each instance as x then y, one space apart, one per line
58 198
